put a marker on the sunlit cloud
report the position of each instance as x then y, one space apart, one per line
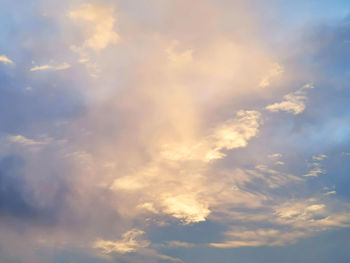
158 131
293 102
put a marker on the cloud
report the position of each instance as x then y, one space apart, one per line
181 191
165 257
237 132
22 140
129 243
320 157
276 158
290 222
293 102
98 25
234 133
4 59
50 67
275 70
316 167
273 178
186 208
175 244
259 237
315 172
159 133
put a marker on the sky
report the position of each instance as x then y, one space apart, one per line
160 131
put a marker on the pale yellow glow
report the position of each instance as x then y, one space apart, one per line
98 25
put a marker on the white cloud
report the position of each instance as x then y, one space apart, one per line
293 102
